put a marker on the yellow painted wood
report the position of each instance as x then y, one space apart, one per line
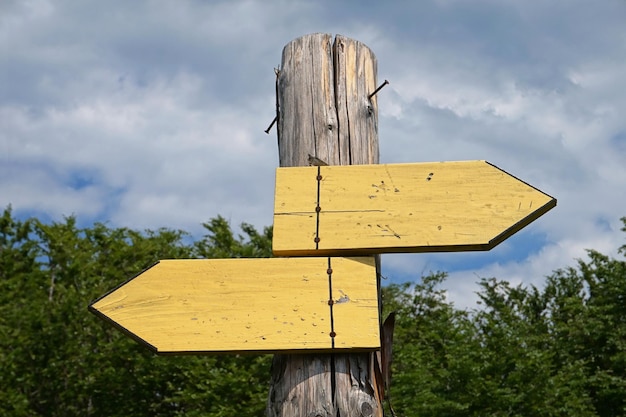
422 207
355 308
298 190
259 305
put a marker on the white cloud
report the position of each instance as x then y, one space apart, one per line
151 113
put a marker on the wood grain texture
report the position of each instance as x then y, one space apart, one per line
355 72
254 305
324 109
324 112
422 207
306 99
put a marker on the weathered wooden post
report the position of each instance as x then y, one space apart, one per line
325 111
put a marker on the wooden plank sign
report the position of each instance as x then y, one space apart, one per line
255 305
420 207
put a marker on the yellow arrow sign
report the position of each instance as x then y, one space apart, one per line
425 207
258 305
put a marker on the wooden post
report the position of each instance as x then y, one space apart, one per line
324 111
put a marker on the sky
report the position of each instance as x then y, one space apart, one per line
151 113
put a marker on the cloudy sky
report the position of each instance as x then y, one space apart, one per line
151 114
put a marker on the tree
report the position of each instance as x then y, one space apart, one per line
559 350
58 360
220 242
556 351
433 344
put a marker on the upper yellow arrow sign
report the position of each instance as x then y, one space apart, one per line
423 207
254 305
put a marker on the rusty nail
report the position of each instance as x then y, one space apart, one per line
329 271
378 89
271 124
332 334
318 209
316 240
331 302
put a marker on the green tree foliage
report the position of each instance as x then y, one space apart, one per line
555 351
433 344
221 243
558 350
58 360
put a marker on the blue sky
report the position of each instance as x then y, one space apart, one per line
150 114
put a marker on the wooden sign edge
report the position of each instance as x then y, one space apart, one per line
115 324
328 350
526 220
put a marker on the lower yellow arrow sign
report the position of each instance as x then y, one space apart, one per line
425 207
258 305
